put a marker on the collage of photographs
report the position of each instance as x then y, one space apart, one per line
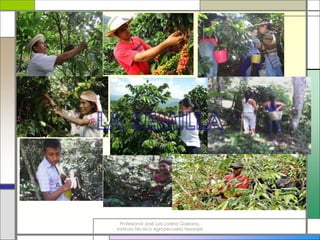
190 111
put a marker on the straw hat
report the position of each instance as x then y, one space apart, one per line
263 23
34 40
115 23
89 96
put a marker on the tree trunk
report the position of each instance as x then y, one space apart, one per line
219 89
299 86
29 170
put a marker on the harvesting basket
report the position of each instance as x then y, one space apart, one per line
221 56
275 116
255 58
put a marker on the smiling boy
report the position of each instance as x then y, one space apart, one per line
48 176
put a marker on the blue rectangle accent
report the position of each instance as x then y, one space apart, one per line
7 186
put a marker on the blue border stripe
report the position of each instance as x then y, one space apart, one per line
7 186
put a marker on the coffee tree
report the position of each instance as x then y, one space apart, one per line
128 183
154 28
36 117
63 31
133 131
233 33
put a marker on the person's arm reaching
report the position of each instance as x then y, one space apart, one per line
70 54
62 113
50 100
78 121
174 39
152 168
162 118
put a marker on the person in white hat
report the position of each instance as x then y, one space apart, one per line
42 64
131 52
90 121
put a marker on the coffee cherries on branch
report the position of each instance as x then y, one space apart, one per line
183 60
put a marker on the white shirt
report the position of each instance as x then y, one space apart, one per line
247 107
49 179
189 132
90 130
41 65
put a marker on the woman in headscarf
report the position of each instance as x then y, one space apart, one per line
90 121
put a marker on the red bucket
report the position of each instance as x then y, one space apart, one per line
221 56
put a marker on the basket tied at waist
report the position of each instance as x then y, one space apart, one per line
275 115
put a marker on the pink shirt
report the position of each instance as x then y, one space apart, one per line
125 53
159 179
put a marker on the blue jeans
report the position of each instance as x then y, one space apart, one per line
206 50
273 65
275 124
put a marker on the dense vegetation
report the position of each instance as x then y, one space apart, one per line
191 188
233 35
233 140
63 31
127 183
134 132
35 116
